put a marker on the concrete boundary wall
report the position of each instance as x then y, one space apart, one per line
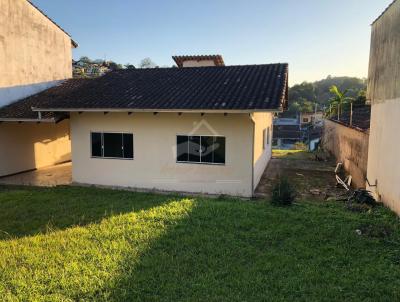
349 146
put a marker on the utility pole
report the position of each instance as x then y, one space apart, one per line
351 114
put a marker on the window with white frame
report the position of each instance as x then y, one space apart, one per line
112 145
200 149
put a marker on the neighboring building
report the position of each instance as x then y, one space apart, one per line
347 140
171 129
35 54
199 61
286 121
384 95
89 70
287 132
314 118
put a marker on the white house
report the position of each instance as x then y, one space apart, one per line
199 129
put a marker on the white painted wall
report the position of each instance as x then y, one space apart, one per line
262 154
29 146
154 165
384 152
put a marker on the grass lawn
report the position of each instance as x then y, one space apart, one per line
292 154
86 244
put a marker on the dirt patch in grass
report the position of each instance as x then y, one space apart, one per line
310 177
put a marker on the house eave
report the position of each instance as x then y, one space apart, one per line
27 120
154 110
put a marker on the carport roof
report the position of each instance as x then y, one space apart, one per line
22 109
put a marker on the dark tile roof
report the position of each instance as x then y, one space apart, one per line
248 87
218 60
22 110
74 44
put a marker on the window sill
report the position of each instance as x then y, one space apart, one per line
120 158
199 163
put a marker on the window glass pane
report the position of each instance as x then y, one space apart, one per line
264 137
207 149
96 144
219 150
112 144
194 148
182 142
128 145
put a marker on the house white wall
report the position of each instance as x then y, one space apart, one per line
384 95
29 146
154 165
34 53
262 154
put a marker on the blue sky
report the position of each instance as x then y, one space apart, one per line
316 37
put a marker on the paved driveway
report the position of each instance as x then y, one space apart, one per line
44 177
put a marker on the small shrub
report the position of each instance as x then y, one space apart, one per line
283 192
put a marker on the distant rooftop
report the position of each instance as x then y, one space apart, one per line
217 59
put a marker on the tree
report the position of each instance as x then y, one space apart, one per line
361 98
147 63
114 66
340 98
85 59
98 61
129 66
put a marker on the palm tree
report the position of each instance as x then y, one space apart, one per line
339 98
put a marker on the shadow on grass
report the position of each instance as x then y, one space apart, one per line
212 254
241 251
26 211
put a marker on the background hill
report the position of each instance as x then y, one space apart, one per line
304 96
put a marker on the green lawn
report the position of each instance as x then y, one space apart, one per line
292 154
86 244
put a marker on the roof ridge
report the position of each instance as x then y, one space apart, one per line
200 67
